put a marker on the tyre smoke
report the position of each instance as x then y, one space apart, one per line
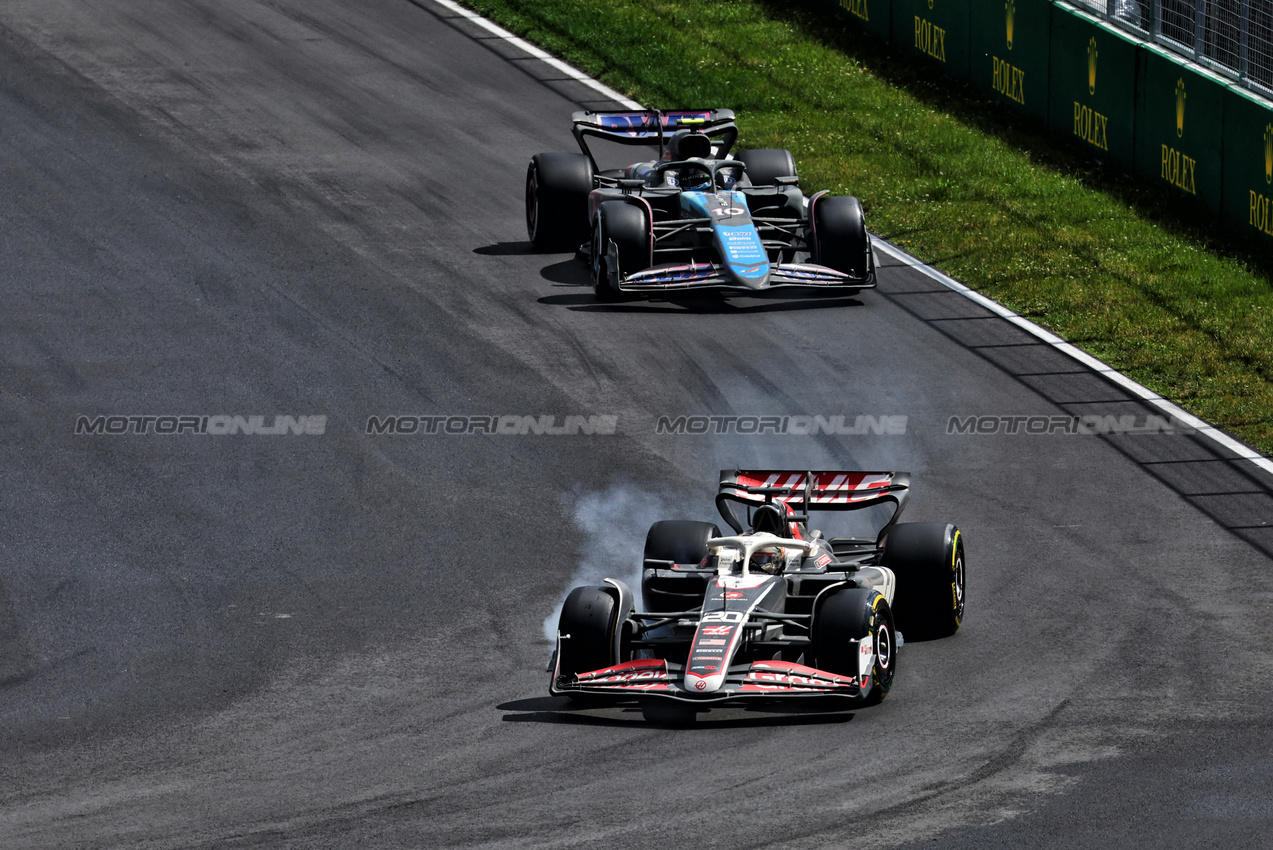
614 522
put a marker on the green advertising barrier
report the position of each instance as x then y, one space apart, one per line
1092 90
871 15
1247 196
1179 122
1009 44
936 30
1127 103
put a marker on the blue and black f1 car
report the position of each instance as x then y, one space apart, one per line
771 613
696 215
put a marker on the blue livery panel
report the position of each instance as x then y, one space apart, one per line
733 232
742 249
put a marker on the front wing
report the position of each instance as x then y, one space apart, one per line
712 276
758 680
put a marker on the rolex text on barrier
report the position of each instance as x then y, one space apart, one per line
1092 96
1008 52
936 30
1179 118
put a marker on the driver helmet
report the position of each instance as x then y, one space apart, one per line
768 560
694 180
685 145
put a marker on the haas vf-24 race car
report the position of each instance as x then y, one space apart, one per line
774 611
692 215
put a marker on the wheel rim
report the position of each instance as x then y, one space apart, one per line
959 584
883 647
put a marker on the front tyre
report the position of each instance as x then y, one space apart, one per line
839 235
928 560
625 228
557 188
842 621
590 616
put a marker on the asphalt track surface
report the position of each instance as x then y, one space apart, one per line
305 207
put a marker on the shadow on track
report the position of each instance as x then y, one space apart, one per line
1232 491
706 303
563 710
571 274
506 249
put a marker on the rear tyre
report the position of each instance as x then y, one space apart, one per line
590 616
766 165
682 541
557 187
928 560
854 614
839 235
628 227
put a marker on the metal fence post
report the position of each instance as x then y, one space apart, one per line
1199 30
1243 35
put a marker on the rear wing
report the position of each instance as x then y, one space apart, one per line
653 126
797 493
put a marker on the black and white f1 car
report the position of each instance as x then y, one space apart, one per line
693 215
774 611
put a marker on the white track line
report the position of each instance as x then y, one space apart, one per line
546 58
1111 374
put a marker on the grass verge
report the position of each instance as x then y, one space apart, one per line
1161 291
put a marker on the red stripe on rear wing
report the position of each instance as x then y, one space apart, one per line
823 489
802 491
